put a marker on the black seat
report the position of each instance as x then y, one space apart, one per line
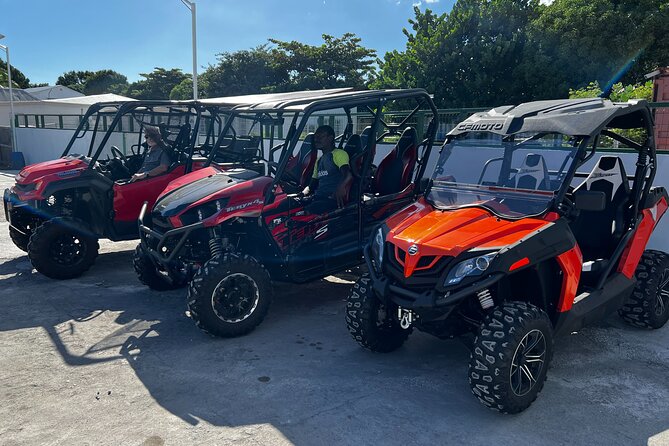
396 169
598 232
532 174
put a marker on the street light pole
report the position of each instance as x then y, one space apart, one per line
191 6
11 97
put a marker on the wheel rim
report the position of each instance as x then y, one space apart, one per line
68 249
235 298
528 362
663 294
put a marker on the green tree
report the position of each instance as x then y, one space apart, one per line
19 80
158 84
183 91
619 92
576 41
76 80
338 62
467 57
242 72
105 81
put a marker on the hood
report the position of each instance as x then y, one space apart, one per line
452 232
64 167
211 184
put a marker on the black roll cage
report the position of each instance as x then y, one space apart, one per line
129 107
645 168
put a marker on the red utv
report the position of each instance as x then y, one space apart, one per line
514 242
230 233
57 210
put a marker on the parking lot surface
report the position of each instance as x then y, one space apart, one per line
104 360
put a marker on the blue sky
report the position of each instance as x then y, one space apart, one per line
49 37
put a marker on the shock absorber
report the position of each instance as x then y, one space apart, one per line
215 247
215 243
485 299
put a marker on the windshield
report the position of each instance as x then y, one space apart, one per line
511 176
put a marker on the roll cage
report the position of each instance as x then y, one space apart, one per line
586 121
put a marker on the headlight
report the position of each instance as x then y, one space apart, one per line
204 211
470 267
377 248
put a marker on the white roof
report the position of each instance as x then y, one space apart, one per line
90 100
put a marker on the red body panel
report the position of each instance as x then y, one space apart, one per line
129 197
41 174
192 176
634 249
571 264
439 233
246 200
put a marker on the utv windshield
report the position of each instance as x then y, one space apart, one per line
511 176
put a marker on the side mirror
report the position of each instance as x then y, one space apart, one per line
590 200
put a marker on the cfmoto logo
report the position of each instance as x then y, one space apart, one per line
413 250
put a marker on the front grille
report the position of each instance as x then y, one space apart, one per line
421 279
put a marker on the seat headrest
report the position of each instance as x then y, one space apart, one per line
364 136
408 139
353 145
611 170
532 174
307 144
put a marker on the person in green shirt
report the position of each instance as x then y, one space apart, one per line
332 176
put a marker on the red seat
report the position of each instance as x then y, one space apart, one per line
396 169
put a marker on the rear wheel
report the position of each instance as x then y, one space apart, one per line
149 275
648 305
370 321
510 358
62 248
229 296
19 239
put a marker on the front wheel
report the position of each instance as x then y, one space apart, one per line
370 322
20 240
510 358
229 296
62 248
149 275
648 306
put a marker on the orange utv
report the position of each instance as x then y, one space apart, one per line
526 231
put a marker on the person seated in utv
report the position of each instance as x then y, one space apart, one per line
332 174
157 160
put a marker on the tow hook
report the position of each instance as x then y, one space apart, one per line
405 316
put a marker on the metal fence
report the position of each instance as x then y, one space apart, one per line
447 119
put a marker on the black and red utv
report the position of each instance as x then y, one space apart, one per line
230 233
515 242
58 209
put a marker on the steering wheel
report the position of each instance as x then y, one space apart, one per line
118 154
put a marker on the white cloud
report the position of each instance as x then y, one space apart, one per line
417 4
543 2
434 1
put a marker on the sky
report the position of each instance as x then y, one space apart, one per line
49 37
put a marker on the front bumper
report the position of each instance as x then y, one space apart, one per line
426 300
148 238
18 212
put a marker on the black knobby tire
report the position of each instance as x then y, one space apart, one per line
229 295
510 357
370 322
19 239
62 248
648 305
148 274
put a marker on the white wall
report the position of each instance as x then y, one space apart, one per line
40 145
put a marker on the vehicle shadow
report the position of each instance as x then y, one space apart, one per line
300 371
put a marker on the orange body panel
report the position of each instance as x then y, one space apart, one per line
439 233
571 263
634 249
